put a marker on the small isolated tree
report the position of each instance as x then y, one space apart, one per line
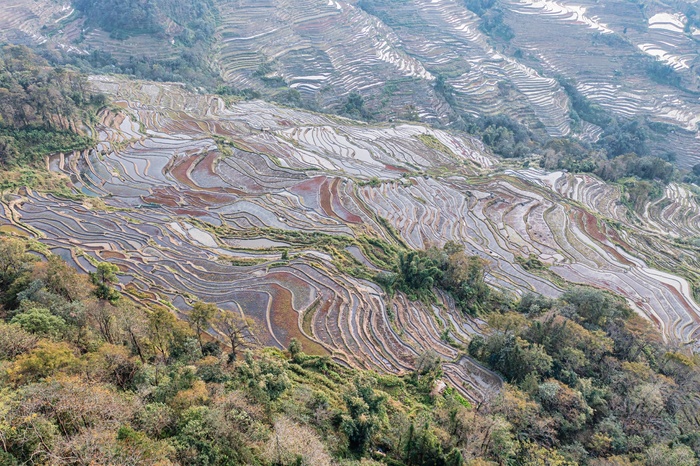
161 326
13 256
61 279
103 278
428 369
429 361
201 317
234 326
295 350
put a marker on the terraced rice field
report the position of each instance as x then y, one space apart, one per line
445 37
202 201
600 43
324 49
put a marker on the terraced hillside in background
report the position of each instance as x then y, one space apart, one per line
22 22
286 215
392 52
610 50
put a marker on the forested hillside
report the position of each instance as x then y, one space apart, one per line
91 377
187 20
43 109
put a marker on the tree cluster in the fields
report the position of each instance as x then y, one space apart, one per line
449 268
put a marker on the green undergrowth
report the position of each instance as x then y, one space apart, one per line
420 272
532 262
33 143
242 261
37 178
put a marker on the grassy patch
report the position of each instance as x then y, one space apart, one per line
434 143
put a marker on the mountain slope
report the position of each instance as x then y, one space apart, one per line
633 61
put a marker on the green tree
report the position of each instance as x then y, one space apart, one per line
46 359
514 357
418 272
664 455
161 330
364 410
14 259
266 377
103 278
296 350
201 317
41 321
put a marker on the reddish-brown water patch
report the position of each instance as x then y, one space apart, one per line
181 169
163 196
325 198
338 207
589 224
396 169
206 164
285 321
191 212
307 187
207 198
112 255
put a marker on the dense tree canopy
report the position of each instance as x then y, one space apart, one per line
447 268
602 381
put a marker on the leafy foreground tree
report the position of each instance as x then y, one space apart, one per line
86 380
103 278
